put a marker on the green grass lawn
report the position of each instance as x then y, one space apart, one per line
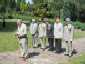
78 60
8 41
79 34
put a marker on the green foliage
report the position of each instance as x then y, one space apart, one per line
39 10
23 7
46 8
42 8
82 4
79 25
83 26
10 6
69 9
6 6
25 16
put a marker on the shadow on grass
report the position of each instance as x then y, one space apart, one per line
33 54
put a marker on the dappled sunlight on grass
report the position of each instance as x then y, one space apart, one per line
78 60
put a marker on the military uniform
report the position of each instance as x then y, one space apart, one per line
42 34
68 38
34 32
22 37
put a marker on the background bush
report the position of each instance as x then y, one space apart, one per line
79 25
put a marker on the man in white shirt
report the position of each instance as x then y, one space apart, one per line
34 32
22 37
58 34
42 34
68 36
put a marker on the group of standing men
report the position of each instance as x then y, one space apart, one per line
55 34
43 30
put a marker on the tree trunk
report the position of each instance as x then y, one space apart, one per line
4 23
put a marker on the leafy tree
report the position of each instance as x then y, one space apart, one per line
5 7
47 7
69 10
23 7
80 7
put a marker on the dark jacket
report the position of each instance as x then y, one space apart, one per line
50 31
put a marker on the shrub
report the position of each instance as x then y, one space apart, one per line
83 26
79 25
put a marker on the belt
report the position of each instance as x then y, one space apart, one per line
24 36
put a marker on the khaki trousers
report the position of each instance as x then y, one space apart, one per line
34 41
43 42
23 47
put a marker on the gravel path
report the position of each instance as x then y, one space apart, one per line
37 56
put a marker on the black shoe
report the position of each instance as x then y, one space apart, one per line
39 45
